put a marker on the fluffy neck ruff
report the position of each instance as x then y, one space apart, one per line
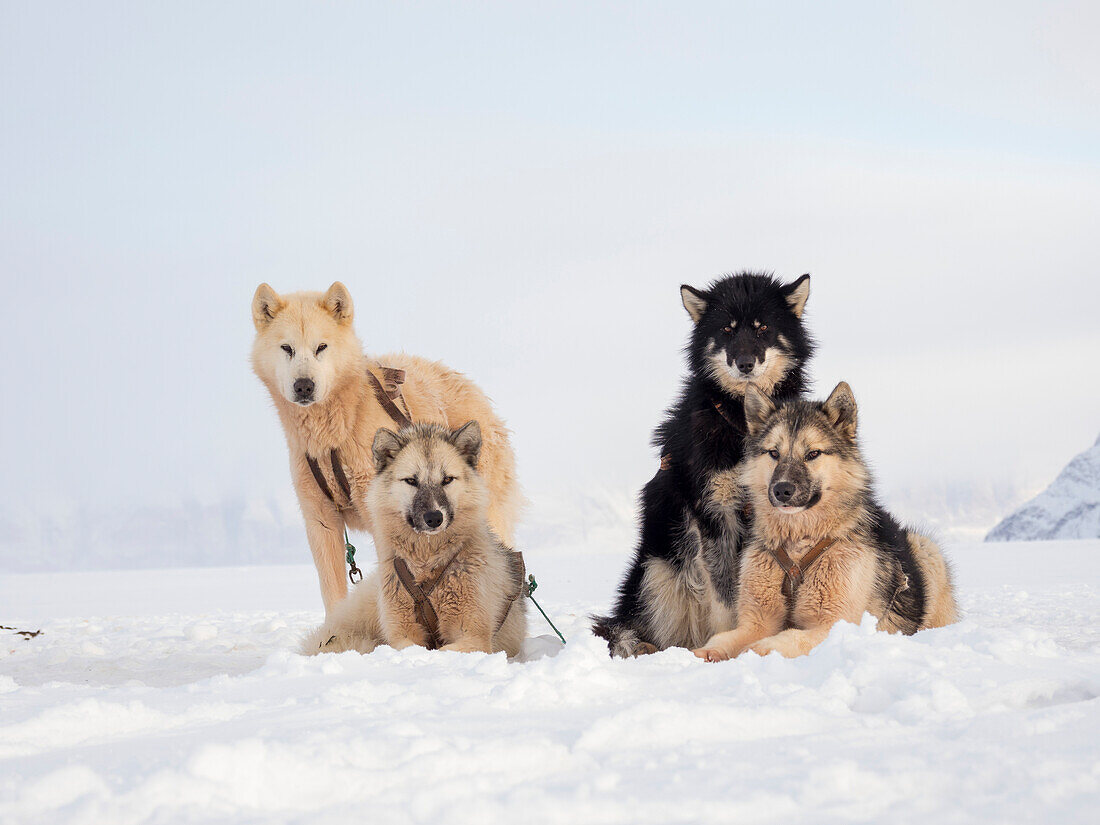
837 515
331 423
427 553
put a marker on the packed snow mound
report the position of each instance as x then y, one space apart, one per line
1067 509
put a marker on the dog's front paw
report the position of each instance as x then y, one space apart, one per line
469 646
711 654
763 648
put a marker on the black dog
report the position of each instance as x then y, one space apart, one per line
682 584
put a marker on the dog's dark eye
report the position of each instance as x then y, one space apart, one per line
812 454
760 330
288 349
728 329
774 454
321 348
447 480
412 482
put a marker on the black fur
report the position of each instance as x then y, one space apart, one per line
700 441
892 543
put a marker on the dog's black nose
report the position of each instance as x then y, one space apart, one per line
303 389
746 364
433 518
783 491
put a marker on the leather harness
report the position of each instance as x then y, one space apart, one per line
422 605
425 613
794 572
388 393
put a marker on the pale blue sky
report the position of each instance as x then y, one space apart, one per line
520 189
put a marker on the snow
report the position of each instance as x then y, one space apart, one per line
176 696
1068 509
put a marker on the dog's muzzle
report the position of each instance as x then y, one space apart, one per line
303 391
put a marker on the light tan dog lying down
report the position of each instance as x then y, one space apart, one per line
428 505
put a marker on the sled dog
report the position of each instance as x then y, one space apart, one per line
681 586
429 508
821 549
328 397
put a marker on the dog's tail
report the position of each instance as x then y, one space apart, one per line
939 587
623 641
603 626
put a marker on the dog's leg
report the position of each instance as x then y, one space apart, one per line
793 642
325 530
470 644
731 643
760 614
476 637
469 631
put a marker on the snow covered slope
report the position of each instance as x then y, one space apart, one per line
177 697
1068 509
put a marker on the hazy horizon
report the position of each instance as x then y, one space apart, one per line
519 190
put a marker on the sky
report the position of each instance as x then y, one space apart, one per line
519 189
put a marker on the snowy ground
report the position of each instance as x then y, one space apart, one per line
176 696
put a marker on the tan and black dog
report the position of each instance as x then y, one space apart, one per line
821 549
326 392
429 508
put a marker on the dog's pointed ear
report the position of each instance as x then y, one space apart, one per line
387 444
467 440
266 304
695 302
338 302
797 295
758 409
840 408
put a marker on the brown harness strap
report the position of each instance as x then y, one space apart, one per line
795 570
338 474
387 391
319 477
721 410
519 572
425 613
386 398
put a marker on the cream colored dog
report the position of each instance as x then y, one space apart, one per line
428 505
309 358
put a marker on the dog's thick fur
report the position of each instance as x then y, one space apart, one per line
428 503
806 480
306 341
682 583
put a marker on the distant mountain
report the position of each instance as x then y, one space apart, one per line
1068 509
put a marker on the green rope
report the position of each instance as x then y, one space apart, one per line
531 585
349 550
